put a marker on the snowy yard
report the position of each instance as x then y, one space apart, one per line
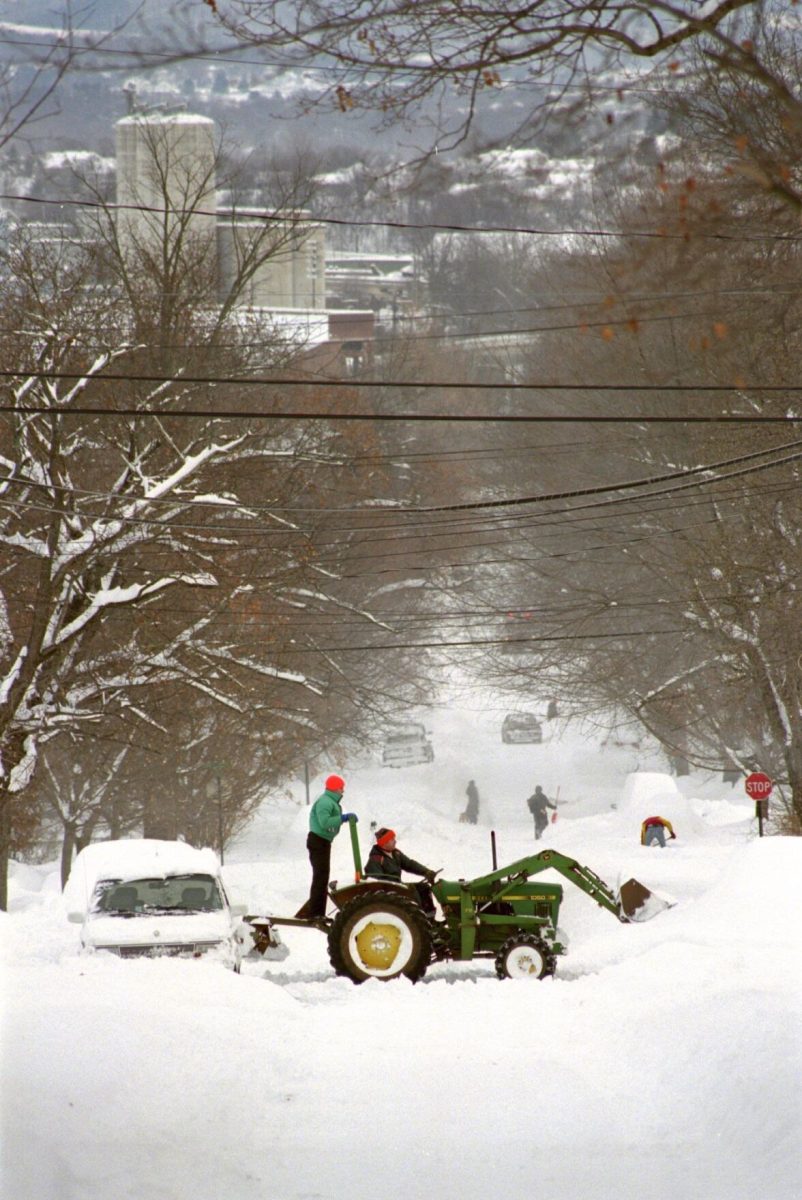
662 1063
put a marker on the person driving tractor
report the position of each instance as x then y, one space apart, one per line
386 861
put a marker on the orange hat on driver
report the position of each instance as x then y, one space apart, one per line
335 783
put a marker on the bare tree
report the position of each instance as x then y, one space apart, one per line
81 792
35 64
436 63
175 252
125 540
151 546
655 577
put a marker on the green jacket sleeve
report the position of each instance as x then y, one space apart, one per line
326 817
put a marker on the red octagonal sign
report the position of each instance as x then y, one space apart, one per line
758 786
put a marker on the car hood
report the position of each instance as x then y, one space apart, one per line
164 929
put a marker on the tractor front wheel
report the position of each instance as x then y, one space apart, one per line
525 956
380 936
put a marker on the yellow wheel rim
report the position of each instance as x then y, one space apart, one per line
378 945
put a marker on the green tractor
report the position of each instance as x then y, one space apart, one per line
381 932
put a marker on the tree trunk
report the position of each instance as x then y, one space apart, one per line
5 846
793 760
67 848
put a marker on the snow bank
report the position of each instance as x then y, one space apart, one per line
662 1061
756 894
652 794
24 877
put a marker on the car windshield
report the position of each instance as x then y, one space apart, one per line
522 719
412 733
175 893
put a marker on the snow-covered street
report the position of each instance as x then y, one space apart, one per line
662 1062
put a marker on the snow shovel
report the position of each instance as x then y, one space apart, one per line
637 903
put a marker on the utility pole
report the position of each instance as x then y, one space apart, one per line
220 817
218 767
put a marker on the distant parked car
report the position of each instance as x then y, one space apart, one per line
521 727
145 898
406 745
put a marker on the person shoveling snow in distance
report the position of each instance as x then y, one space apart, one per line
653 831
537 804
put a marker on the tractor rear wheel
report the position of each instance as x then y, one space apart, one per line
380 936
525 956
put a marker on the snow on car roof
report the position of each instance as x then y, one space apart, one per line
134 858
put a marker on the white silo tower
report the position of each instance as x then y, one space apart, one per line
165 177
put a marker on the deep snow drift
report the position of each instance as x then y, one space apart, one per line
662 1062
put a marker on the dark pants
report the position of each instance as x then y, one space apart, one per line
320 858
541 822
425 897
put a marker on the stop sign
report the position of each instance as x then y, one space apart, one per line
758 786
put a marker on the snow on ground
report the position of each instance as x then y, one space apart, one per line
662 1062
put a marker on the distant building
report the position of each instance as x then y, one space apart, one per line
374 281
165 156
171 154
292 277
329 341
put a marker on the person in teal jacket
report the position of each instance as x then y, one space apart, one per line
326 818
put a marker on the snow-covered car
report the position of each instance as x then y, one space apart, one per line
406 745
141 897
521 727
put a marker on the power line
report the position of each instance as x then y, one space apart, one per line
488 334
589 300
513 557
358 384
432 226
631 322
397 509
500 528
424 418
632 483
511 560
292 620
295 459
592 299
444 644
449 529
508 641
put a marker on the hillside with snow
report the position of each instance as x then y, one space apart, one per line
662 1061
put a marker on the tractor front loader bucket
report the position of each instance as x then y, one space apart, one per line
637 903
